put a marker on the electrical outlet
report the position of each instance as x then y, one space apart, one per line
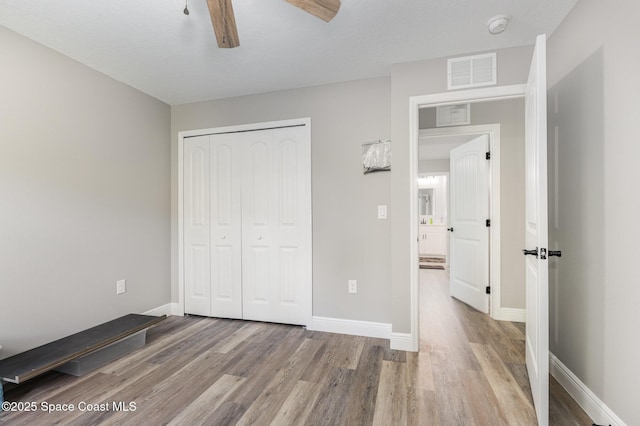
121 286
353 286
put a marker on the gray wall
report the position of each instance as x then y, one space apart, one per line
349 242
510 115
433 166
413 79
594 79
84 196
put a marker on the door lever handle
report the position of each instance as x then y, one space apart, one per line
557 253
531 252
450 229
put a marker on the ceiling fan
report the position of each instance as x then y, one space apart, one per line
224 22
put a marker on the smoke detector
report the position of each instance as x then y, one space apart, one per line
498 24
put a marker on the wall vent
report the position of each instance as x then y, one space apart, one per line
453 115
472 71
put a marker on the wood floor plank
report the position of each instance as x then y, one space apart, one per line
517 406
519 373
125 364
271 359
364 387
195 342
451 398
241 335
298 405
209 400
325 359
483 403
509 349
420 371
184 385
511 330
563 409
227 414
422 408
331 405
391 403
349 353
266 406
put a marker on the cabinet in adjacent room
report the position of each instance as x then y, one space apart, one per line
433 240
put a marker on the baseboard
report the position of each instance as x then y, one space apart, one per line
352 327
590 403
403 342
168 309
510 314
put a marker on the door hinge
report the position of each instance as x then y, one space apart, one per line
488 223
488 156
488 290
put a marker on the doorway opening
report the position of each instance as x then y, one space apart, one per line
476 96
433 193
457 234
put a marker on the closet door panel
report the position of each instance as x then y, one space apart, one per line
293 221
197 226
257 221
226 227
275 225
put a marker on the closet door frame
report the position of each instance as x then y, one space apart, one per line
306 122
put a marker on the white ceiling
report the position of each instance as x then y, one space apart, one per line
152 46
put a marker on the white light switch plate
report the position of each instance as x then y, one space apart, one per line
353 286
382 212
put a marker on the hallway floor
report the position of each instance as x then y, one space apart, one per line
473 367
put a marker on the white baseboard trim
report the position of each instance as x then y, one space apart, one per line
510 314
590 403
167 309
403 342
352 327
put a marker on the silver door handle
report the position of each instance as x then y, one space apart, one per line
259 238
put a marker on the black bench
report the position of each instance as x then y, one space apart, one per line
32 363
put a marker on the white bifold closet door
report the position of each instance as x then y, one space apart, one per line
247 226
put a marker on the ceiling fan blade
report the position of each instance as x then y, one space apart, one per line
224 23
323 9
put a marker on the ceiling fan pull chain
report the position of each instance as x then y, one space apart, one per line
186 8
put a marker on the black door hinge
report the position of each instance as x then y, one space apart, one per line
488 156
488 223
488 289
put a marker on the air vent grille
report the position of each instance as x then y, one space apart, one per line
472 71
453 115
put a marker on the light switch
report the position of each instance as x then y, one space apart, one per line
382 212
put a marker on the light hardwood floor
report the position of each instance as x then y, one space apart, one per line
470 371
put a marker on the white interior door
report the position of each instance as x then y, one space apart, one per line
536 217
196 223
469 192
276 226
226 226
